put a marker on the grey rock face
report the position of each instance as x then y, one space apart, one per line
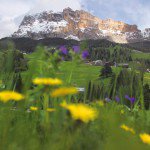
78 25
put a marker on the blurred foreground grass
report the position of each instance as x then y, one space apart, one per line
44 120
21 129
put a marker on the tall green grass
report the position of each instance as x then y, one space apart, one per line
24 129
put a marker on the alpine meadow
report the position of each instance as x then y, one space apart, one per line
71 79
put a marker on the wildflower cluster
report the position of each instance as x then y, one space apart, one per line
76 49
78 111
6 96
32 108
131 99
47 81
64 91
81 112
126 128
145 138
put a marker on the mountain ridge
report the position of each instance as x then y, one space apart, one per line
78 25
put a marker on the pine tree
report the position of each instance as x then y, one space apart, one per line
146 90
88 90
106 71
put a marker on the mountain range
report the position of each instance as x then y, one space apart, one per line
78 25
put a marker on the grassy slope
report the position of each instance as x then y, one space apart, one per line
141 55
81 74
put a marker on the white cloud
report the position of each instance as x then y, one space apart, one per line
130 11
55 5
7 27
9 10
12 9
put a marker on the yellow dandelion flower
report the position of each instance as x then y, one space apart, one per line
145 138
126 128
33 108
81 112
64 91
6 96
47 81
51 109
122 112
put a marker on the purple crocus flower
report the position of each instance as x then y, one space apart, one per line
117 98
64 50
76 49
85 54
132 100
127 97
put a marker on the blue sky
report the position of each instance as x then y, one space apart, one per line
129 11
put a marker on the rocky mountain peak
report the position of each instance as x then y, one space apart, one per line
78 25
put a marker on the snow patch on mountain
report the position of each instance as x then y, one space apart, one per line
44 26
78 25
73 37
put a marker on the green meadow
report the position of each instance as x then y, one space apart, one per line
82 73
41 108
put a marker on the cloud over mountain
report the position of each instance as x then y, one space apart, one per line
11 10
130 11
